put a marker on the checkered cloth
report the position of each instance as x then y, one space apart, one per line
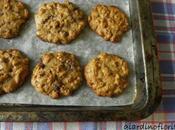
163 12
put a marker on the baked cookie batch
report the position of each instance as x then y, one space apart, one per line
108 22
14 68
13 14
59 74
59 23
107 74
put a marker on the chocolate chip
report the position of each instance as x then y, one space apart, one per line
10 70
41 64
57 25
65 34
5 60
56 87
42 73
46 20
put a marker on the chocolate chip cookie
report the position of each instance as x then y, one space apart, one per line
59 22
107 74
109 22
13 14
57 74
14 68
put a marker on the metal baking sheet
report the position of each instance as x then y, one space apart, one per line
87 46
138 47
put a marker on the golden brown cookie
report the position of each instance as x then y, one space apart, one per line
57 74
14 68
109 22
107 74
13 14
59 22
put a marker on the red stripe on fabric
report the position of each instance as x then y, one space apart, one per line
169 1
65 125
119 125
166 77
172 60
166 26
138 122
116 125
163 43
8 125
79 128
166 51
152 119
163 17
163 1
162 111
103 124
169 92
28 126
50 126
160 28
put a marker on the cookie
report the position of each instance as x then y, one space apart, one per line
13 14
109 22
107 74
14 68
59 23
57 74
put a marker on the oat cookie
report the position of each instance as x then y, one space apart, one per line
57 74
13 14
107 74
109 22
14 68
59 22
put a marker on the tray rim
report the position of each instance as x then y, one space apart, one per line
143 109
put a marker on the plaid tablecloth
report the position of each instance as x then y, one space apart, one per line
163 12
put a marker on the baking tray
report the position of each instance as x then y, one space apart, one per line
148 94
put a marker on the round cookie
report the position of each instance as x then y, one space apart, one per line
57 74
13 14
107 74
14 68
59 22
108 22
